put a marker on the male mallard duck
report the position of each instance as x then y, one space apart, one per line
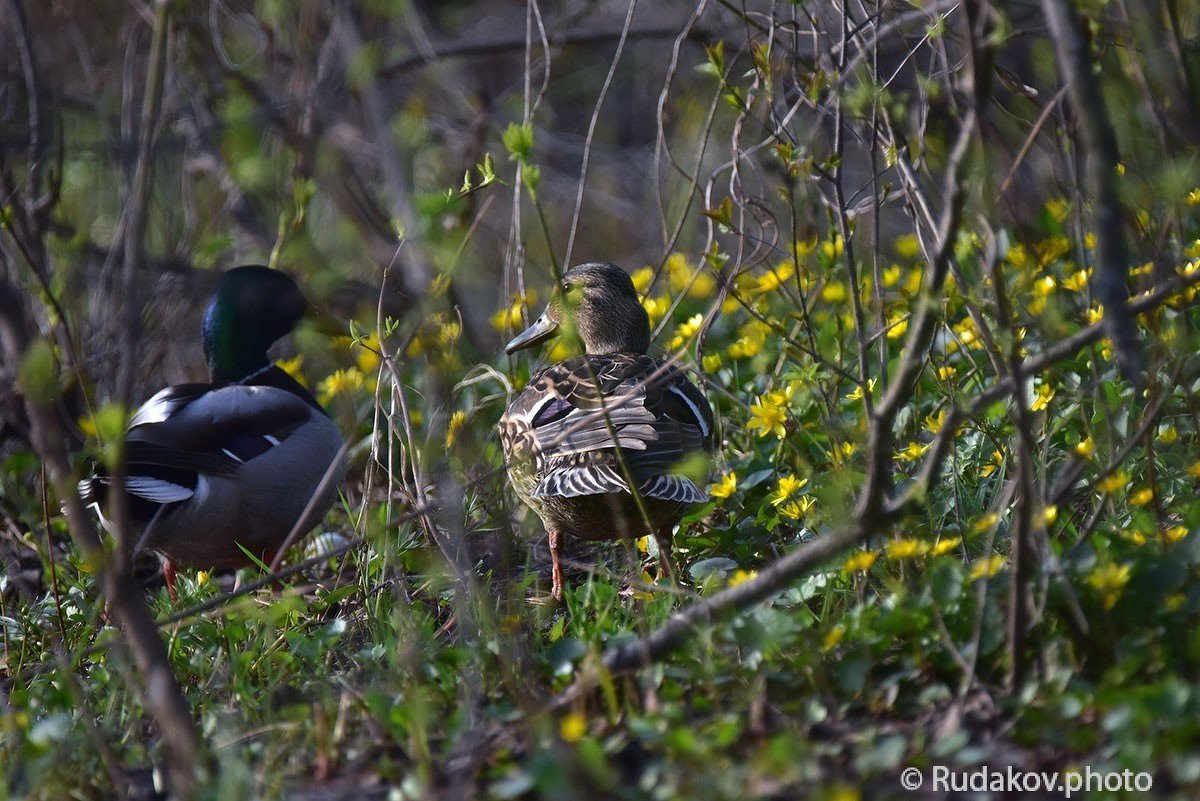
211 467
586 429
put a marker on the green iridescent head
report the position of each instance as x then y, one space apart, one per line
251 308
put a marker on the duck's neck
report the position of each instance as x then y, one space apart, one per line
232 355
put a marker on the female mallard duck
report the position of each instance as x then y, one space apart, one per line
586 430
216 468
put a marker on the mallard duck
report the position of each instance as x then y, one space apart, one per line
211 467
586 430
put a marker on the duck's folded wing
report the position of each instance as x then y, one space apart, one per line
584 410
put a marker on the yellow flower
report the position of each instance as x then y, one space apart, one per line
682 274
1113 482
1049 515
797 508
725 487
774 278
985 522
993 464
510 316
740 576
1141 497
1175 533
1058 209
711 363
656 307
1109 580
892 275
907 548
1094 315
573 727
341 382
945 546
1086 449
860 562
454 426
1193 197
946 373
907 245
835 292
1168 435
986 567
292 367
1044 286
913 452
202 577
834 248
686 331
788 486
934 422
751 337
833 637
1042 398
857 392
1120 168
898 328
1194 470
1136 537
367 356
1089 240
1175 601
767 417
642 278
1077 280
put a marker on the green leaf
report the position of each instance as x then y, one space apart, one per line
38 373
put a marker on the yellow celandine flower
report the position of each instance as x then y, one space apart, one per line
1136 537
725 487
986 567
774 278
943 547
711 363
1094 315
912 283
1141 497
367 356
642 279
1120 168
1049 515
1175 533
934 422
751 337
993 464
1175 601
1018 257
788 486
857 392
892 275
1168 435
1042 397
1077 281
1109 580
985 523
1044 286
1111 483
740 576
202 577
656 307
87 424
685 331
292 367
767 417
1058 209
835 292
340 382
510 316
844 451
860 562
898 328
1085 449
913 451
833 637
1192 198
683 274
563 348
1089 240
1192 251
907 548
907 245
573 727
643 544
946 373
1194 470
798 508
833 248
454 426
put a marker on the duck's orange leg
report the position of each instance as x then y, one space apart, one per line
169 576
556 578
